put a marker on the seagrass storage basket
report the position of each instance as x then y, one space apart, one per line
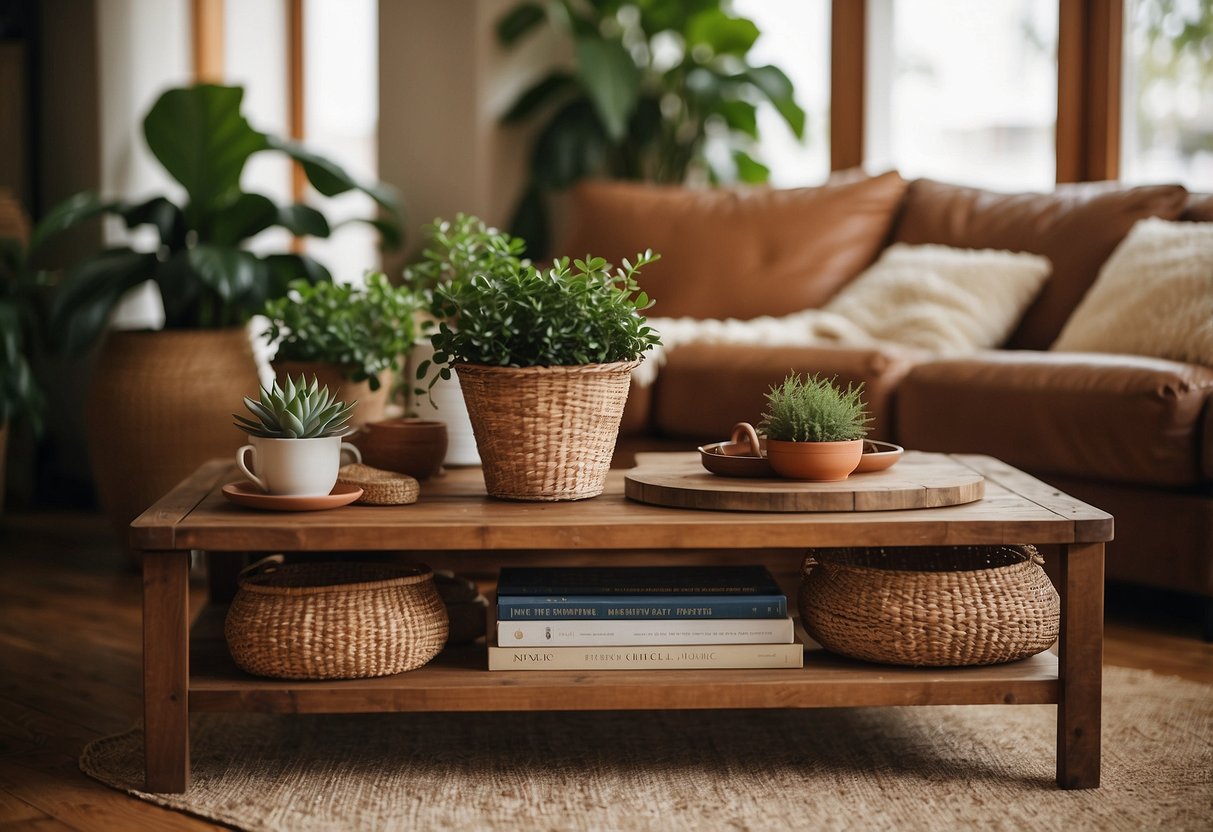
338 620
545 433
960 605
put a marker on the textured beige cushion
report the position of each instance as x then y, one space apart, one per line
1153 297
941 298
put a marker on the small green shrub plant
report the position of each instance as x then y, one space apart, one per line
297 410
457 249
365 329
814 409
575 313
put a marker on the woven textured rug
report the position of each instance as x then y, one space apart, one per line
895 768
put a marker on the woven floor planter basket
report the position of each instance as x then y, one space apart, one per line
963 605
545 433
337 620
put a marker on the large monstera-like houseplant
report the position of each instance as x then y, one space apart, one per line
158 401
658 91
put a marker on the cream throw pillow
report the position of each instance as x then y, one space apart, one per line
1154 296
940 298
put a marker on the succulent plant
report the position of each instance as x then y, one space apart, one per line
297 411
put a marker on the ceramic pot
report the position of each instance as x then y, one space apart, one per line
444 402
814 461
416 447
371 403
159 404
294 467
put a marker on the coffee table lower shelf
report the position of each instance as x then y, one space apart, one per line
458 681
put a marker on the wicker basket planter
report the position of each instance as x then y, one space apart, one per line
545 433
965 605
337 620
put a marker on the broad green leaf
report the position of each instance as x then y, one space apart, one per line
775 85
303 220
239 218
724 34
612 80
741 116
281 269
750 170
390 233
518 21
160 212
231 273
547 89
200 136
330 179
67 214
92 289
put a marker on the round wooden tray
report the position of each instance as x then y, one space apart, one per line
917 481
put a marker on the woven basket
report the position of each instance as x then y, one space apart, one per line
338 620
964 605
545 433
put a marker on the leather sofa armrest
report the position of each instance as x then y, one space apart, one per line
704 389
1118 418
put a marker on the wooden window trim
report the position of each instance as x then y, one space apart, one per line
848 57
207 22
1090 35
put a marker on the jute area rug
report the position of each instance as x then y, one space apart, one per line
897 768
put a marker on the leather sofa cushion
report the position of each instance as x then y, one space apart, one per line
1076 227
737 253
705 389
1199 208
1114 418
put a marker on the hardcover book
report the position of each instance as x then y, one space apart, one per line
642 580
621 632
679 657
639 607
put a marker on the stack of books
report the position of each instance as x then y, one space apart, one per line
627 618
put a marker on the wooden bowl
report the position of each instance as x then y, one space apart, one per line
416 447
742 456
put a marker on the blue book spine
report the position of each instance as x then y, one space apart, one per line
639 607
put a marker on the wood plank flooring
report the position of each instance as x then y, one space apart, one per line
70 658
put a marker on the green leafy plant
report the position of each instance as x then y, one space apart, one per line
22 324
653 85
296 411
583 314
814 409
365 329
205 276
457 249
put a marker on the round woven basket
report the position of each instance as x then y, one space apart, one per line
963 605
546 433
338 620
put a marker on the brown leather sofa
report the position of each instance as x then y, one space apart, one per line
1129 434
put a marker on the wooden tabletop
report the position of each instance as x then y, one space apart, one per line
455 514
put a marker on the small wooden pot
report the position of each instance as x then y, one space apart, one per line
416 447
814 461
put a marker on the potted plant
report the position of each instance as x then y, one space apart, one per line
295 449
21 323
156 403
350 337
814 429
454 251
544 358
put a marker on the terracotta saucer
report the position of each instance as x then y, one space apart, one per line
244 493
878 456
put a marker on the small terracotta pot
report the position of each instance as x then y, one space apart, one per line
416 447
815 461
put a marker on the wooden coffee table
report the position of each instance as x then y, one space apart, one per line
454 520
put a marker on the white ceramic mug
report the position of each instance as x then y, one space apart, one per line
294 467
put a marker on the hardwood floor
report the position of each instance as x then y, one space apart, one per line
70 666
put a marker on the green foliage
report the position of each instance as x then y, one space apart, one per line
22 323
297 411
653 83
455 250
365 329
814 409
205 277
583 314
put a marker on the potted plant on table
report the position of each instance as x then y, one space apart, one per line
158 400
544 358
350 337
814 429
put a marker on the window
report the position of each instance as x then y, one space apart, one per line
1167 130
963 92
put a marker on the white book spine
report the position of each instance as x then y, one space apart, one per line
608 633
668 657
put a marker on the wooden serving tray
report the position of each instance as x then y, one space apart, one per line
917 481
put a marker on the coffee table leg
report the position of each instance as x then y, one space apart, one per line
166 667
1081 666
